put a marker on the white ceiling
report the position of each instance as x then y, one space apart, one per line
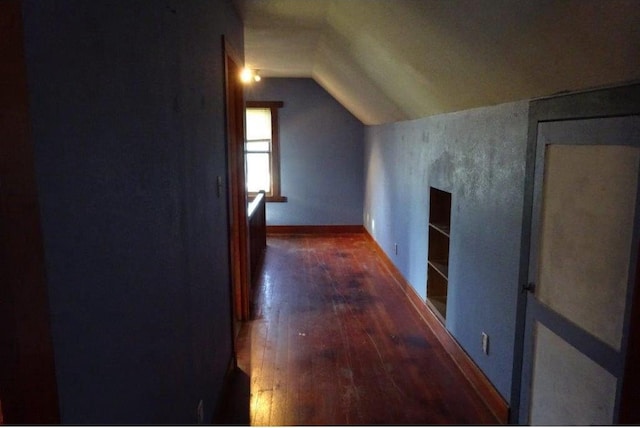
392 60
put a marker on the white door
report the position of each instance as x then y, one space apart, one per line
583 223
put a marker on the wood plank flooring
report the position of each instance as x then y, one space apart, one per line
334 341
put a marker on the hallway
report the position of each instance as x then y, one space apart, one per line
335 341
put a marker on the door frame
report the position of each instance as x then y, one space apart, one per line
599 103
236 187
28 384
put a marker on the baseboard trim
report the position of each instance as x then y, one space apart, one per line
488 393
309 230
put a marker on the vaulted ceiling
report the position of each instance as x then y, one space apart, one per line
392 60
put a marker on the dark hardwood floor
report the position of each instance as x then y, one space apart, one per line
334 341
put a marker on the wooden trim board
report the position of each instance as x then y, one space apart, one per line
488 393
328 229
237 198
28 384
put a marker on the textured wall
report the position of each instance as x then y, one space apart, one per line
321 147
127 112
479 156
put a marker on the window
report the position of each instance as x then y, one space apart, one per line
262 150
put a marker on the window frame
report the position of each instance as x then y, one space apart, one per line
273 106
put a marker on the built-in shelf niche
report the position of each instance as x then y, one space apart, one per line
438 259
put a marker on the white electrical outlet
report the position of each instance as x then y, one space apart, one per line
200 412
485 343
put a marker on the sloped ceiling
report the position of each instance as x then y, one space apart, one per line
393 60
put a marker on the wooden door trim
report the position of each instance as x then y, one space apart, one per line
237 198
28 387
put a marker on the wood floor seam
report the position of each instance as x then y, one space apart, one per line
336 341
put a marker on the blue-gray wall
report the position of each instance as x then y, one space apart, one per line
478 156
321 155
127 112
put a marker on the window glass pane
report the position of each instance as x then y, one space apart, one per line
258 172
258 146
258 124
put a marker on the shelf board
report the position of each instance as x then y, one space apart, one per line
439 303
443 228
441 266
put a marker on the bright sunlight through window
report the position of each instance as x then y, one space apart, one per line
258 150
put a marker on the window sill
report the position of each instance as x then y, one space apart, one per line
276 199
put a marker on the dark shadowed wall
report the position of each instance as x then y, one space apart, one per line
479 156
321 146
127 107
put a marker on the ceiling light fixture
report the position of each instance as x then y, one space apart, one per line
248 75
